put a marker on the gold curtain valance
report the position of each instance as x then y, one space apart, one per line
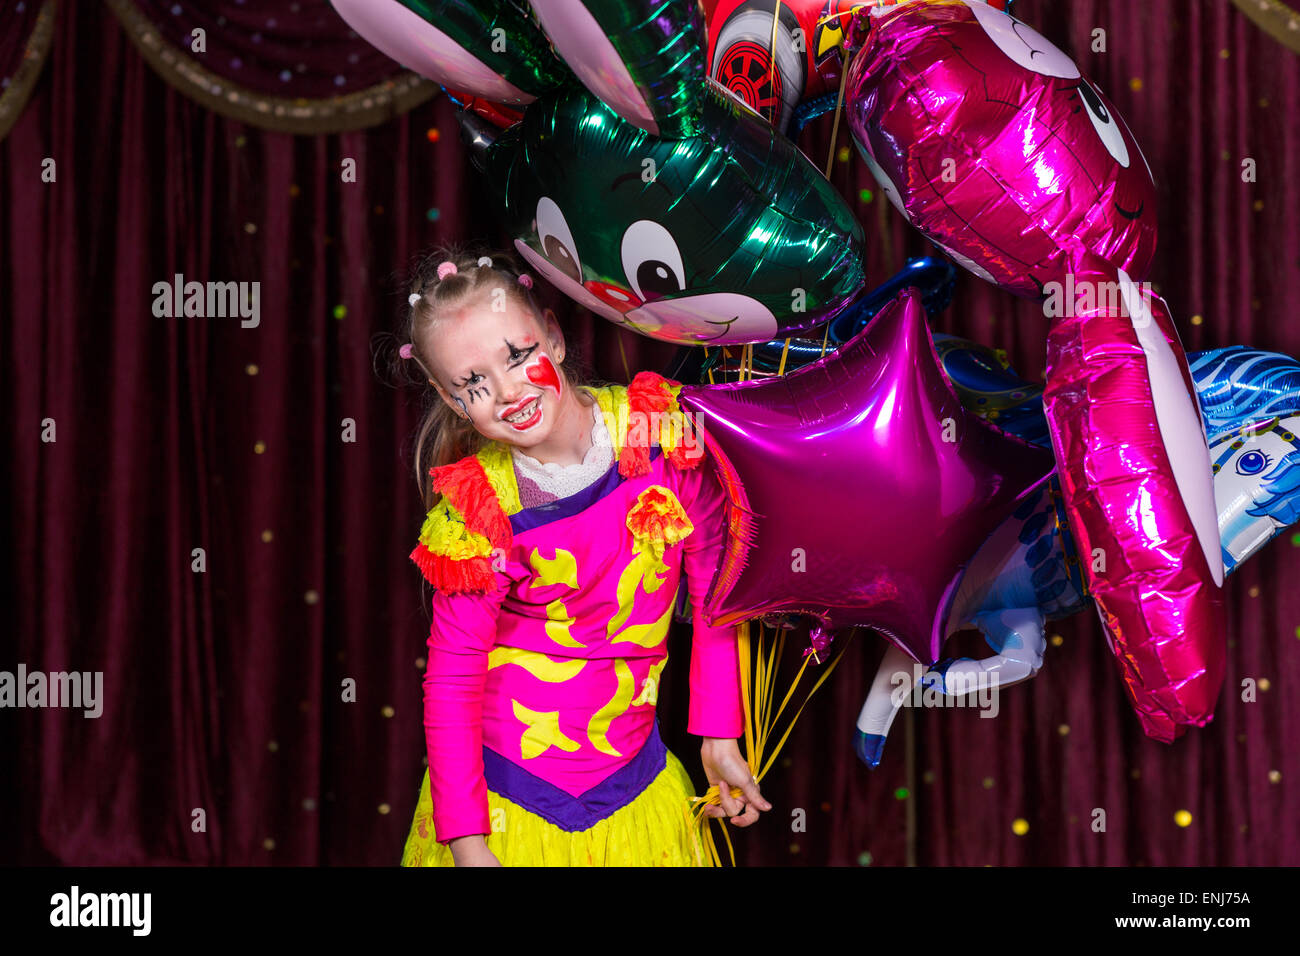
367 107
14 97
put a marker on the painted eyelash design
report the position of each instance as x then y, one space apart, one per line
515 354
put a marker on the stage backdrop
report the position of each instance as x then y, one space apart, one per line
132 441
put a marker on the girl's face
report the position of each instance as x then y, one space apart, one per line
501 369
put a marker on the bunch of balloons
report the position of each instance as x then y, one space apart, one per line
638 152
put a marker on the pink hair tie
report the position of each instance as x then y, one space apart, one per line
446 269
405 351
526 280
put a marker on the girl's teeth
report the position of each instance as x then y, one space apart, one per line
522 415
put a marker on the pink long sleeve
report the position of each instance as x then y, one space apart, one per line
715 706
463 631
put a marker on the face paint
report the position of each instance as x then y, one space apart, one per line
542 372
461 402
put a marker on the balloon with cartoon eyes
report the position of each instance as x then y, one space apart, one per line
727 237
988 139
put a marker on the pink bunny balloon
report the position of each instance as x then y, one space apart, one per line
990 140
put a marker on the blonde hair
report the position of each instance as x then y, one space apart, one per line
443 436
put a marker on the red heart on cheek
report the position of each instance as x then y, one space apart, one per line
543 373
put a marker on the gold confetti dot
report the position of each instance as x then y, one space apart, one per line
1224 53
794 847
786 761
250 368
1183 818
272 746
420 663
1264 683
1197 319
1135 773
268 844
843 154
928 776
379 210
1263 102
1019 826
988 783
825 807
1258 205
1254 591
304 706
1255 303
267 535
1241 738
1063 729
1225 154
309 804
1135 83
240 141
259 447
294 190
1057 640
1074 818
250 228
387 710
1243 828
1274 776
311 597
384 809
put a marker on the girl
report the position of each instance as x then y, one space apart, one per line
562 517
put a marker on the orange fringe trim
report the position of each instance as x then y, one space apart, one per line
455 575
650 393
466 485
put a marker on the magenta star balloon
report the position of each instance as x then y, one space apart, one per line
860 487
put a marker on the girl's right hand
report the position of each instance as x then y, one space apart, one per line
472 851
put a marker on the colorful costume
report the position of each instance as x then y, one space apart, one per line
548 639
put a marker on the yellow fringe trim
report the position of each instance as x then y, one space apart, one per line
444 533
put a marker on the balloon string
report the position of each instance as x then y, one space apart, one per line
758 673
785 350
839 108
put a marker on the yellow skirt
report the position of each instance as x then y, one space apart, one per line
655 829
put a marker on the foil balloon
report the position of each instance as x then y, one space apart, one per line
899 486
773 79
1029 571
932 277
988 386
498 114
485 48
727 237
1250 401
644 59
775 56
1136 480
989 140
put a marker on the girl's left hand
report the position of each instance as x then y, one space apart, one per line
726 768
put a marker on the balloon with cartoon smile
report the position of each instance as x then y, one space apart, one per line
990 141
730 236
